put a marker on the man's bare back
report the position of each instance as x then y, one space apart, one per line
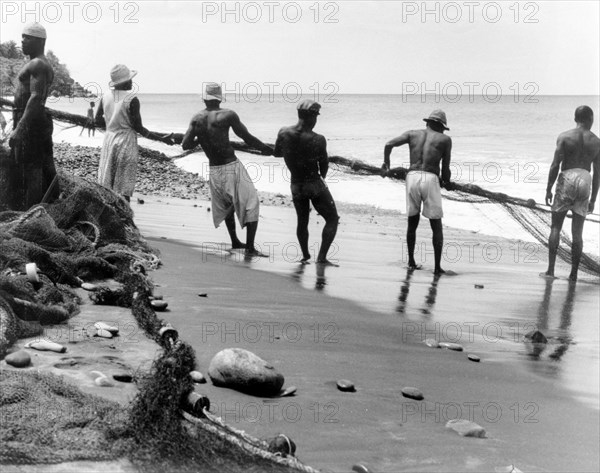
427 149
210 129
579 149
304 152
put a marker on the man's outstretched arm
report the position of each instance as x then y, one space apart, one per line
446 173
190 138
387 150
595 182
240 130
554 169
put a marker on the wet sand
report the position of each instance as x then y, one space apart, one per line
365 321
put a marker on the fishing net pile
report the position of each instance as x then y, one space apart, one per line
88 234
534 219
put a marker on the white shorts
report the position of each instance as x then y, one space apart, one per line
231 188
422 186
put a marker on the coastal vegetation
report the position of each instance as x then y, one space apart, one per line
12 60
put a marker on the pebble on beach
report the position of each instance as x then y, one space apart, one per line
282 444
466 428
359 468
18 359
109 328
100 379
197 377
289 391
474 358
346 385
244 371
103 333
431 343
412 393
159 305
46 345
89 287
451 346
123 377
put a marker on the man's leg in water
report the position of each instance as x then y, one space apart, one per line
577 248
557 222
230 223
302 207
438 243
411 239
325 206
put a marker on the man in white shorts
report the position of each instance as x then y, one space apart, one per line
428 148
577 151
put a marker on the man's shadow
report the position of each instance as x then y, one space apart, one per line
320 279
563 339
430 298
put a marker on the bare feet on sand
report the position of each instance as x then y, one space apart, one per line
254 253
442 272
547 275
326 262
237 245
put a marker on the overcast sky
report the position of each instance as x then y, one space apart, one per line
544 47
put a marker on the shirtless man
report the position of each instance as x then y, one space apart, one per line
231 188
577 150
428 148
305 154
33 177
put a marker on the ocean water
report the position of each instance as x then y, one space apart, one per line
503 146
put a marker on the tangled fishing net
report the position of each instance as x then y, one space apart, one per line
86 235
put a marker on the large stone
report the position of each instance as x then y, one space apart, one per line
466 428
18 359
412 393
244 371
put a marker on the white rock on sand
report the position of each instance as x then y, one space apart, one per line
244 371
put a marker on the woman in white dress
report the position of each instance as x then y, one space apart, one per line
120 110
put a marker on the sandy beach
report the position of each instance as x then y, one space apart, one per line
365 321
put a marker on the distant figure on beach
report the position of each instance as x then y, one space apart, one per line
119 109
90 124
305 154
231 188
577 151
428 148
32 175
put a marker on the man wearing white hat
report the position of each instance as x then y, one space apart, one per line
33 176
119 108
231 188
428 148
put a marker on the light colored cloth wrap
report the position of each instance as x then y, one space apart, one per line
231 188
422 186
119 155
573 191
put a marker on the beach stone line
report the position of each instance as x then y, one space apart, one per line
412 393
466 428
451 346
244 371
346 385
197 377
431 343
18 359
474 358
89 287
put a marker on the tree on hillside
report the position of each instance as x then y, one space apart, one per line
63 84
10 50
